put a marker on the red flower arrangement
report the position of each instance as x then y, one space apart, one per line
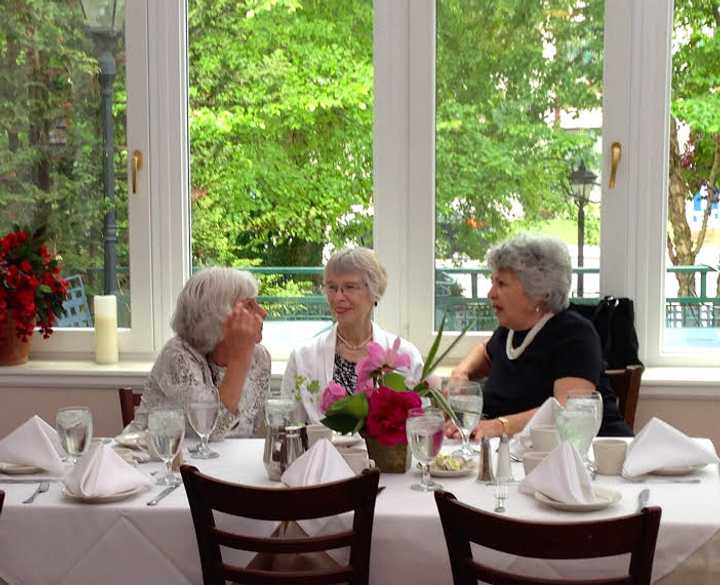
31 288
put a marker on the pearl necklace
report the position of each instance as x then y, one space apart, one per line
515 352
351 346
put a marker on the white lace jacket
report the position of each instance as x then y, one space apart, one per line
180 366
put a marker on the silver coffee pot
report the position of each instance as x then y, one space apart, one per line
285 441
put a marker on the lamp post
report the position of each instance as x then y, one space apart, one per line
582 182
104 23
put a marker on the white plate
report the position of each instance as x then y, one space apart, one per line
19 469
467 470
105 499
346 440
680 470
604 497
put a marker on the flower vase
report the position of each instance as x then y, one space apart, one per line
13 350
395 459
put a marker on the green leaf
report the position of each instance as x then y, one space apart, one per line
355 405
395 381
342 423
433 349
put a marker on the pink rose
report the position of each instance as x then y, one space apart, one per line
379 360
332 393
387 413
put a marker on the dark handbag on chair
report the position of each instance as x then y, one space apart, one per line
614 320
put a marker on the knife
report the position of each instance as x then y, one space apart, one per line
643 498
166 492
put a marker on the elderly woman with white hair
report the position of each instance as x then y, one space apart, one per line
218 326
540 349
354 284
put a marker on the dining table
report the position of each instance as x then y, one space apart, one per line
57 540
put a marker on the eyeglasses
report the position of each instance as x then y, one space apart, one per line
349 289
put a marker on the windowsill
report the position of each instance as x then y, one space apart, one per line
657 382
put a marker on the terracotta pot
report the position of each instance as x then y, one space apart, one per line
13 350
389 459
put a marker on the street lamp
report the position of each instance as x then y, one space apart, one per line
104 24
582 182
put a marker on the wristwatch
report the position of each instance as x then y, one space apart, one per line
505 422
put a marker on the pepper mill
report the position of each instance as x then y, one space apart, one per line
485 469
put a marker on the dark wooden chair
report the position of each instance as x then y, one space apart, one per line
128 401
626 385
206 494
463 524
2 499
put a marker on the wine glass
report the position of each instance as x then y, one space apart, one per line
424 427
584 399
202 406
166 427
466 400
74 426
576 425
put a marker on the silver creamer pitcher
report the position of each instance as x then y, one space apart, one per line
284 440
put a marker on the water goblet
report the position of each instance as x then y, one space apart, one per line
202 406
466 400
587 399
576 425
166 427
74 426
424 427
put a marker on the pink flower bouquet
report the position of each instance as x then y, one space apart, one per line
379 405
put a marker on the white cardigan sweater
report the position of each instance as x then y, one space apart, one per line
315 361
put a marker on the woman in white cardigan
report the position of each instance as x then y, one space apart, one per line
354 283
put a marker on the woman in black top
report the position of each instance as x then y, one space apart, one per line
540 348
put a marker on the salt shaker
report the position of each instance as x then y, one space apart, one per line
485 470
503 470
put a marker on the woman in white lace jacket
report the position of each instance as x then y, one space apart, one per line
218 326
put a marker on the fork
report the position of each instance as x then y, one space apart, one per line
501 494
42 487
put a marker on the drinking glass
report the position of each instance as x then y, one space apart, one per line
202 406
577 426
424 427
74 426
466 400
583 399
166 427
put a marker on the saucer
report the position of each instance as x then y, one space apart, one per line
19 469
104 499
467 470
604 497
346 440
679 470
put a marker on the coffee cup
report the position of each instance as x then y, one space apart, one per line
317 431
609 455
357 458
544 437
532 458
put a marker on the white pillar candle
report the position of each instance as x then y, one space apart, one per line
106 340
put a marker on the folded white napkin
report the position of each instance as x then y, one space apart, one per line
659 445
102 472
322 463
561 476
33 443
545 415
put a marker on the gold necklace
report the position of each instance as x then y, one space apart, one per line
351 346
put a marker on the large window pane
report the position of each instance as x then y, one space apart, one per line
692 304
281 100
518 131
52 149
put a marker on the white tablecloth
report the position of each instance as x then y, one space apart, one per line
56 541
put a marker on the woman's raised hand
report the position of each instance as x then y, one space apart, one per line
243 327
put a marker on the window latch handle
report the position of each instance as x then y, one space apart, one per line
615 156
136 165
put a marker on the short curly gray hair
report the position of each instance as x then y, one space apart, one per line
365 262
206 300
541 263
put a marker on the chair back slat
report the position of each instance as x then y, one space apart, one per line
626 385
207 495
2 499
283 545
129 400
462 524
